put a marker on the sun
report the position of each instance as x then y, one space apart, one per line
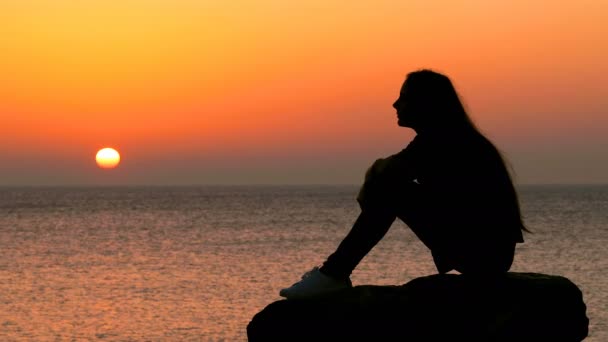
107 158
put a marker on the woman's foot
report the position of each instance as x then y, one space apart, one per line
314 283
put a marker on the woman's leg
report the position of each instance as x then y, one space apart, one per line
369 228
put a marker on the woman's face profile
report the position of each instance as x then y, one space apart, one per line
405 111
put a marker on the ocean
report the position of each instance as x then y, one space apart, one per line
196 263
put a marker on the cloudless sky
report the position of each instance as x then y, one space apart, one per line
290 92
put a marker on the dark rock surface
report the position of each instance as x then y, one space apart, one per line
449 307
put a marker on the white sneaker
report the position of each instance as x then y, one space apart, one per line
314 283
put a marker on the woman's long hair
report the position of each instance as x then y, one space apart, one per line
434 95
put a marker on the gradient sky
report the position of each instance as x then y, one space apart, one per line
286 92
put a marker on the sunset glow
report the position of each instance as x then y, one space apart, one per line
291 92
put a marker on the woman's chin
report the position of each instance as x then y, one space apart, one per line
403 123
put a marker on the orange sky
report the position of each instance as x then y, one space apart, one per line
217 92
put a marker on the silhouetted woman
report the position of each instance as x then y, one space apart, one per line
450 185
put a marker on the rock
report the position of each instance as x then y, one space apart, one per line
448 307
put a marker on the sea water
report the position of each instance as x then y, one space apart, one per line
196 263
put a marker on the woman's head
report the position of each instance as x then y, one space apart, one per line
429 102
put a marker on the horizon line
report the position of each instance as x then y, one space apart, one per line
250 185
